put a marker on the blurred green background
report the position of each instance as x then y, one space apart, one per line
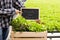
49 12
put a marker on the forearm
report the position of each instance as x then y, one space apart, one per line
8 11
17 11
17 4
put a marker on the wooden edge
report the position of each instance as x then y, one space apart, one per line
30 34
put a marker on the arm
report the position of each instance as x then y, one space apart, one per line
17 4
7 8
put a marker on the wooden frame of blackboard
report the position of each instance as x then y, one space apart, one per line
33 8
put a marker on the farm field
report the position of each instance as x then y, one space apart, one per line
49 12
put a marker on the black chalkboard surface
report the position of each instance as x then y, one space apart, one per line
30 13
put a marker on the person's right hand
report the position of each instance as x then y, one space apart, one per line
17 11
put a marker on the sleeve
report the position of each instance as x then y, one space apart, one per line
6 11
17 4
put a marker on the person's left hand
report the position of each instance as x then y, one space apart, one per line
38 21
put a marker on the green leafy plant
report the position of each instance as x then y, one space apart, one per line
20 24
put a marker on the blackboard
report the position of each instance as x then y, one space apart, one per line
30 13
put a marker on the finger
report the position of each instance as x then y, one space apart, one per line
20 12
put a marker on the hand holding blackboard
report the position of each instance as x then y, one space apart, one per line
18 12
